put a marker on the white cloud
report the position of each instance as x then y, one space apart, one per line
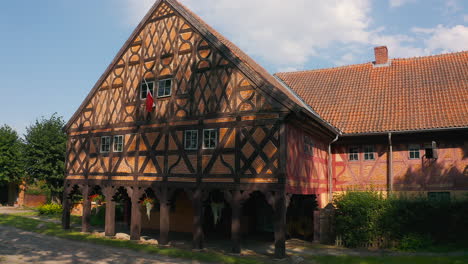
283 33
398 3
444 39
291 34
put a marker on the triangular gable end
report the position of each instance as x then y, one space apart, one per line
118 85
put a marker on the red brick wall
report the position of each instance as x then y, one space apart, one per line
34 200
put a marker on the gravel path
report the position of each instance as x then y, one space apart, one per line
17 246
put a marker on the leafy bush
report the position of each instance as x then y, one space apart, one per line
414 223
98 216
50 209
412 242
37 188
357 217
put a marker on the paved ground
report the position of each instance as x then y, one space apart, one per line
17 246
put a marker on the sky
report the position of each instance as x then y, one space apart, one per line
53 51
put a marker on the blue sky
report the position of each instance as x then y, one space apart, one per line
53 51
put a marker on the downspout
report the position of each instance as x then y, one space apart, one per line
390 163
330 171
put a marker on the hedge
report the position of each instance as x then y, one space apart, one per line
364 217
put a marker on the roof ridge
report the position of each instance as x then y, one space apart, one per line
327 69
371 63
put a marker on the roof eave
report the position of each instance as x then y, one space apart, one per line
404 131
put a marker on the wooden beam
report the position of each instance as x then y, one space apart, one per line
110 211
86 218
66 211
164 216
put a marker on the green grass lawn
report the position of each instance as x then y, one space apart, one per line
22 221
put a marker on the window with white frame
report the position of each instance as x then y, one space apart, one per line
118 143
414 151
369 152
353 153
164 88
144 87
191 139
105 144
210 138
308 146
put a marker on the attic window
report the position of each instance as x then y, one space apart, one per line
414 151
369 152
105 144
165 88
353 153
144 86
118 143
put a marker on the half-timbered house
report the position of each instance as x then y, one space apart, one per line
222 130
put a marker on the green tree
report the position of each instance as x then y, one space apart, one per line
44 151
10 156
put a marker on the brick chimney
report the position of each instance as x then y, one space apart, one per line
381 55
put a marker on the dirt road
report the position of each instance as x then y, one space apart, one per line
17 246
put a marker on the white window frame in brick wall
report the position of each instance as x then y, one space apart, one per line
163 89
210 141
105 144
118 143
191 139
353 153
144 89
414 151
308 146
369 152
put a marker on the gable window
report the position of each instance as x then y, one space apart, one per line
118 143
105 144
165 88
353 153
308 146
210 138
413 150
369 152
191 139
144 87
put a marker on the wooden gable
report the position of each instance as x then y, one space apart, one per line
205 80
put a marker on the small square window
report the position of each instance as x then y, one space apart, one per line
118 143
308 146
105 144
353 153
369 152
144 87
210 138
164 88
414 152
191 139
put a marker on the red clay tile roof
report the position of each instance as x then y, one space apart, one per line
411 94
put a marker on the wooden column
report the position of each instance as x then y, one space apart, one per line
197 202
110 212
164 223
66 211
135 225
280 225
86 217
236 207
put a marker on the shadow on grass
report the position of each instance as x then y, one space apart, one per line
53 229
